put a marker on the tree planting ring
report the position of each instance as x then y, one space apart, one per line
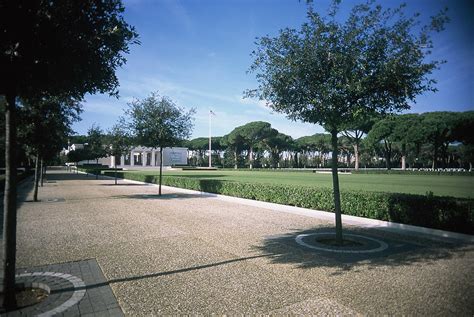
358 243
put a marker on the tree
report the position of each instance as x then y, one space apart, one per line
276 144
95 145
462 132
254 133
45 124
438 128
407 133
319 142
157 122
53 48
217 148
118 142
355 131
383 133
235 142
78 155
199 145
332 73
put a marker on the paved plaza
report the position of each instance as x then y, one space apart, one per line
186 253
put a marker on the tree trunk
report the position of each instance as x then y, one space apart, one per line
435 157
161 170
356 156
9 207
335 184
404 162
388 155
37 177
250 157
115 170
42 172
96 169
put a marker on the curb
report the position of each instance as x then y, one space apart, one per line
325 215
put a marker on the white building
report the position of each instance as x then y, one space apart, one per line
140 157
148 157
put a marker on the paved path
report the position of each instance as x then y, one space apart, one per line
187 254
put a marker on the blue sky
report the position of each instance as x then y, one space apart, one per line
197 53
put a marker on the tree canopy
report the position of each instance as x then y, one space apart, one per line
62 47
53 49
157 122
118 141
331 73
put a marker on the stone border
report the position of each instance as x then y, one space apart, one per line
79 289
325 215
382 245
76 297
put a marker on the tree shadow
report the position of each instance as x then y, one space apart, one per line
67 176
168 196
198 176
124 184
401 250
24 188
159 274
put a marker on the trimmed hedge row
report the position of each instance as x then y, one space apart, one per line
96 169
412 172
447 213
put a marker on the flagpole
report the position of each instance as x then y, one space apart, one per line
210 141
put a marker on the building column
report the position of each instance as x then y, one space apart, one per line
132 159
144 158
152 162
122 160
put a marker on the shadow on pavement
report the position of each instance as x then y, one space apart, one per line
401 251
23 190
152 275
69 176
124 184
156 196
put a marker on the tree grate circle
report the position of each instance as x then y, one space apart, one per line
353 243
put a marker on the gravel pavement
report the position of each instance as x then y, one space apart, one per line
190 254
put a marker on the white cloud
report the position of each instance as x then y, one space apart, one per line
113 107
253 102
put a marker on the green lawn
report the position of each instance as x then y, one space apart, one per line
456 186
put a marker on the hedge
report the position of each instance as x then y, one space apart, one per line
96 169
413 172
447 213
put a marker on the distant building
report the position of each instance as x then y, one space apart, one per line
148 157
139 157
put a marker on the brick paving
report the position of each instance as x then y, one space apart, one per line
75 289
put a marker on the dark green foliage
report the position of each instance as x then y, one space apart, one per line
62 47
20 176
412 172
336 73
96 169
447 213
52 48
157 122
78 155
95 145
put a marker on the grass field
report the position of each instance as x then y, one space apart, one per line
440 185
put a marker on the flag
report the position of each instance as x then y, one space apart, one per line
212 112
